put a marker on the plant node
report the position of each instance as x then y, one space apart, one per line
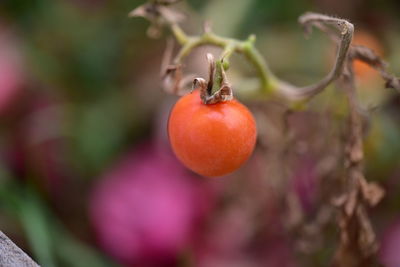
216 89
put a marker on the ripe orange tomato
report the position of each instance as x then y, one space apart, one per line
211 139
361 69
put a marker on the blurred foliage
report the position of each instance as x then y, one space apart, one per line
94 65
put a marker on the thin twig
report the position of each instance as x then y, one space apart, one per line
269 84
358 245
368 56
346 32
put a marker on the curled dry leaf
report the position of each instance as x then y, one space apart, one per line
372 192
295 215
166 2
351 202
356 155
367 239
339 200
346 29
224 93
158 13
173 79
368 56
174 82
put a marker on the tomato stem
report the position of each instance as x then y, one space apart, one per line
216 89
246 47
217 77
270 85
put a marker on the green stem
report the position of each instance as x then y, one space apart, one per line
179 34
228 51
218 77
269 82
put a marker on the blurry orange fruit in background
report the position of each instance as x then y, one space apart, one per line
363 71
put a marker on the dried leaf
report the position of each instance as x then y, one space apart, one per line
372 192
393 82
367 239
167 57
351 202
356 155
154 31
171 15
174 82
167 2
295 214
367 55
148 11
339 201
224 93
158 13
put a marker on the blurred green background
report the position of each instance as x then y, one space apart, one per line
80 88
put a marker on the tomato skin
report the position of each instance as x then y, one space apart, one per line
211 140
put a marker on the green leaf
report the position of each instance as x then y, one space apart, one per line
33 219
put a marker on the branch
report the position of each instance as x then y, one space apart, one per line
358 245
246 47
346 32
269 83
159 13
368 56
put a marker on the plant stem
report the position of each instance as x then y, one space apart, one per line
179 34
270 85
218 77
268 81
308 20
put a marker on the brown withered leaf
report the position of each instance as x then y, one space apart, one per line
393 83
171 15
166 2
372 192
339 200
148 11
224 93
368 56
159 14
356 154
367 238
156 11
174 82
351 202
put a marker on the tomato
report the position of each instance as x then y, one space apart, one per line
211 139
361 69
